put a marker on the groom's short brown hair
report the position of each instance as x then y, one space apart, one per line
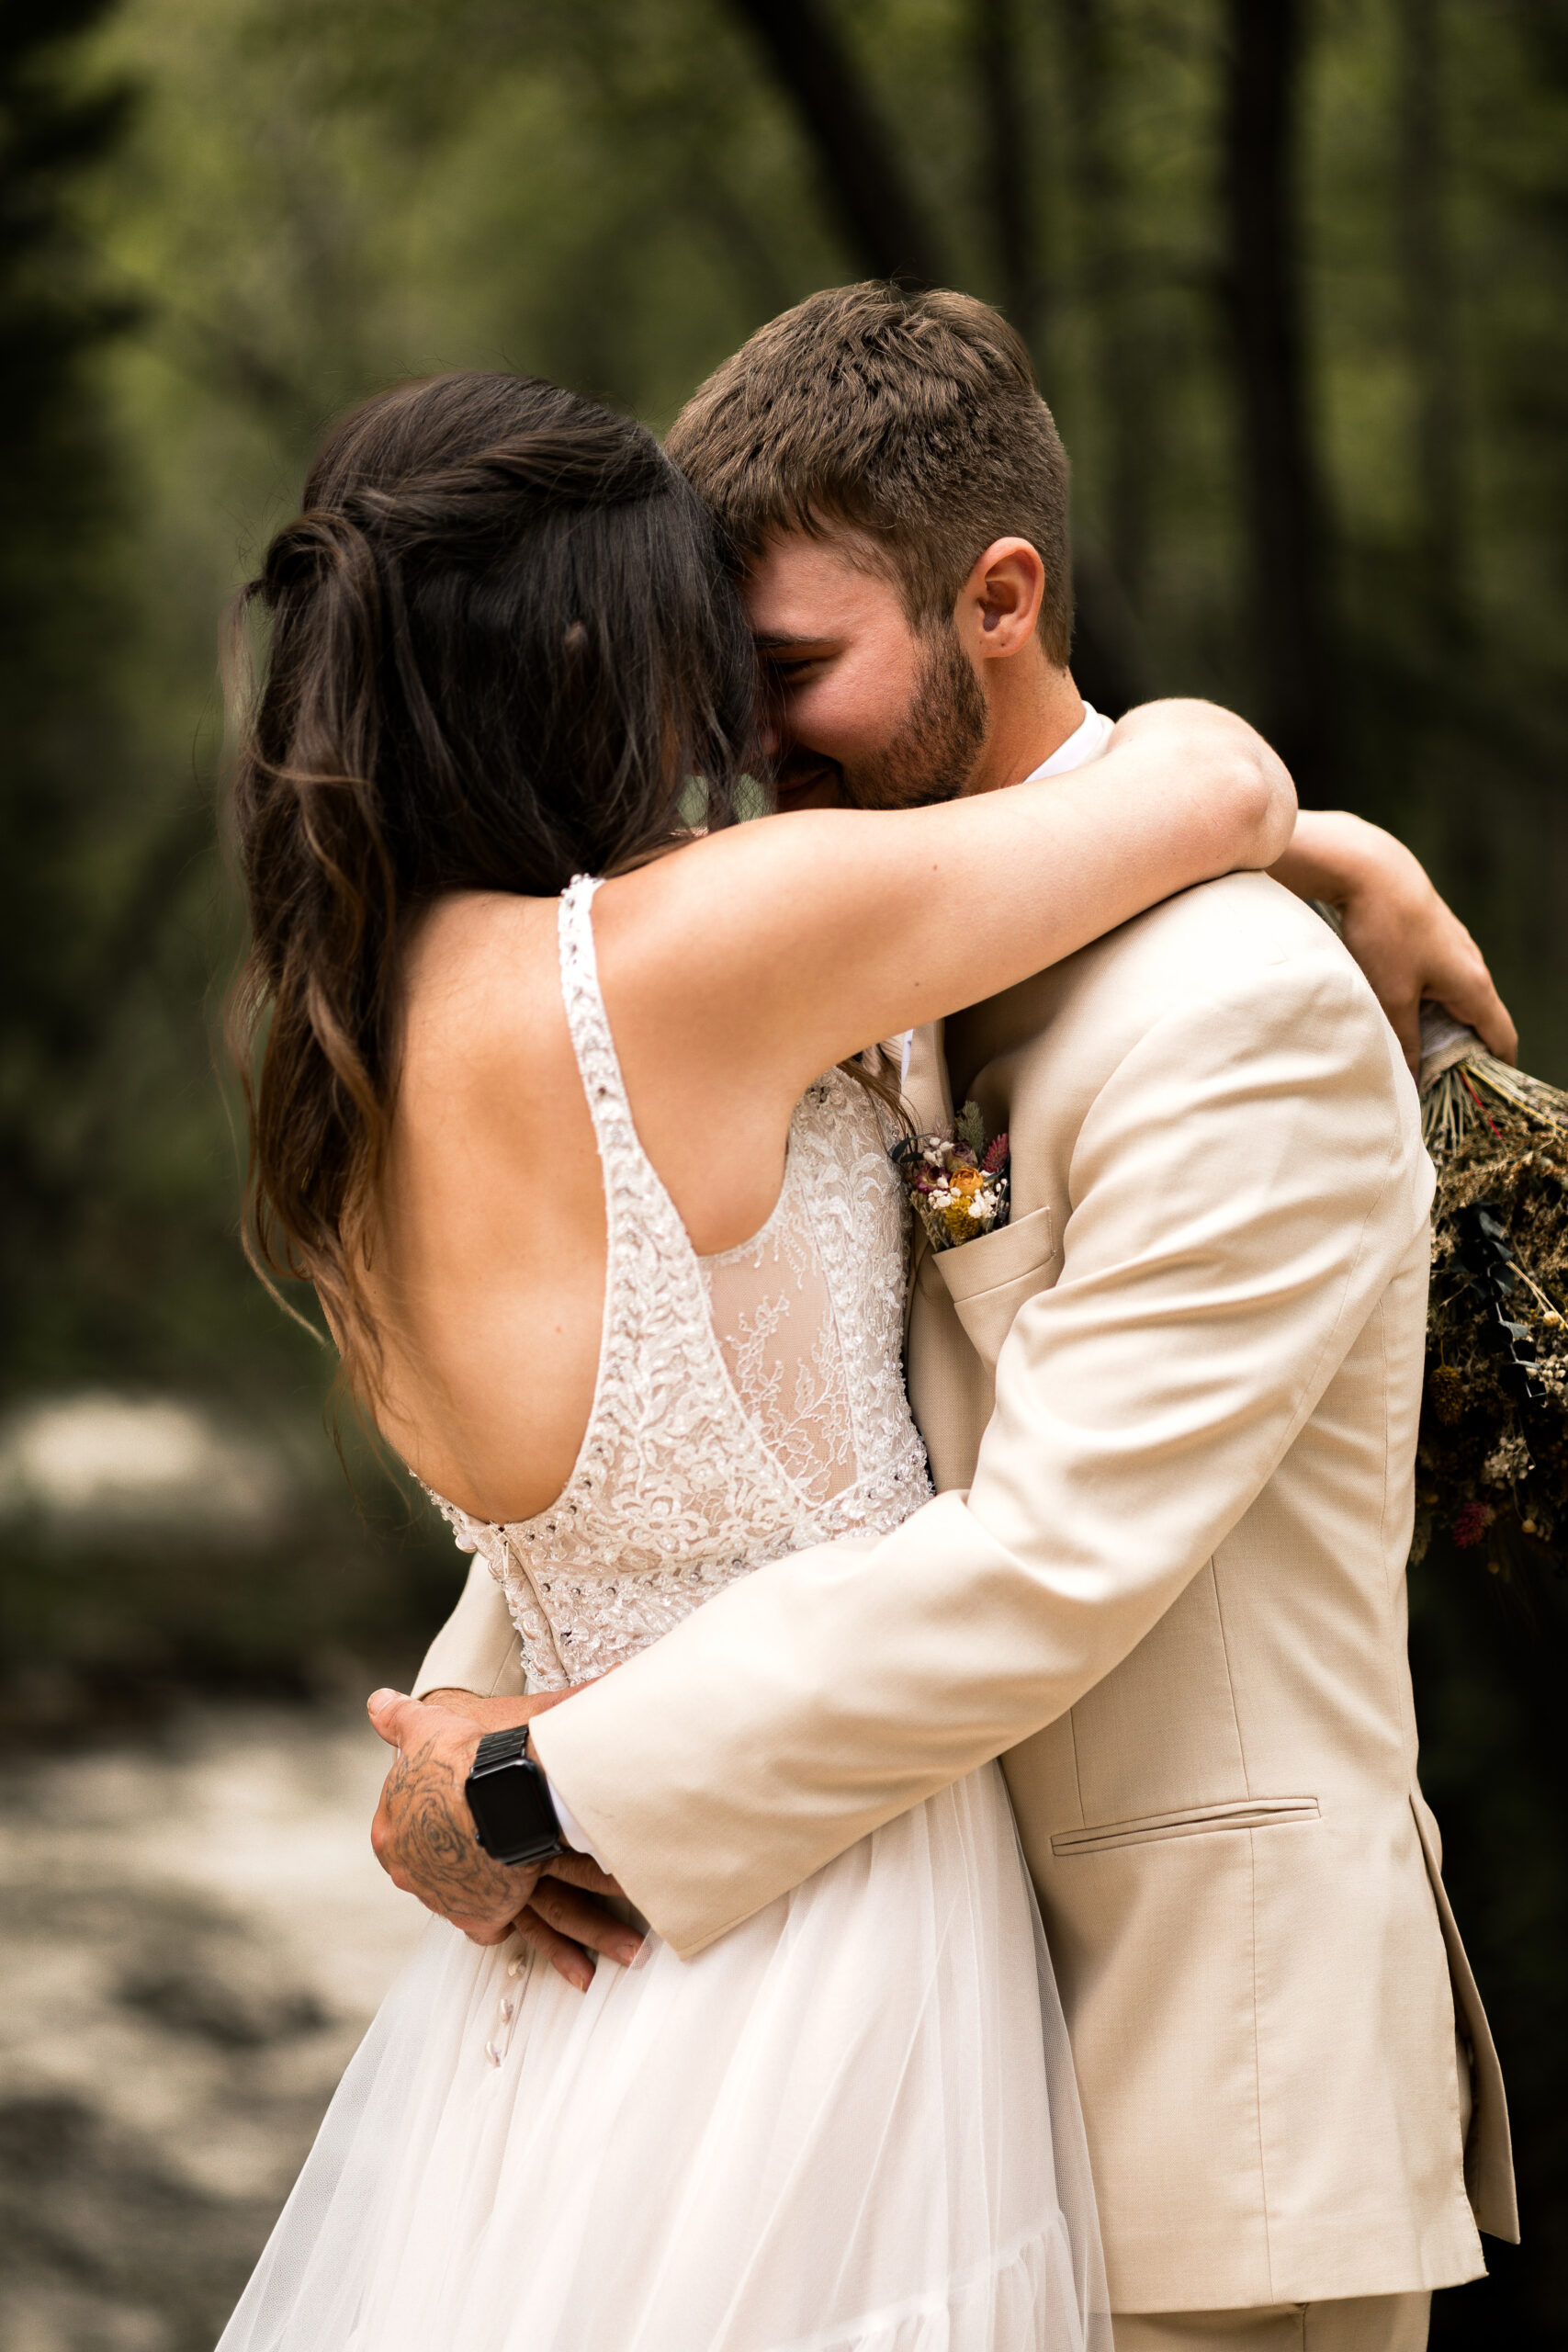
914 420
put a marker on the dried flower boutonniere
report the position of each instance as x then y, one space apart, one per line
957 1183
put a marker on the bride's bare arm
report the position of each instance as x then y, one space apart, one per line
783 946
1409 944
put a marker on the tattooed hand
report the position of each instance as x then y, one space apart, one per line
423 1832
423 1838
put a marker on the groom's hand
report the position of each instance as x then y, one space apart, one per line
423 1838
423 1832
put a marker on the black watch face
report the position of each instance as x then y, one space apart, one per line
512 1814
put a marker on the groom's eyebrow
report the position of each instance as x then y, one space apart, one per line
767 642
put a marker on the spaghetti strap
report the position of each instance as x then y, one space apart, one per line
661 2162
636 1202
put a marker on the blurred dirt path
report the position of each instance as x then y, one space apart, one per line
193 1935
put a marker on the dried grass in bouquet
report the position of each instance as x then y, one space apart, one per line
1492 1467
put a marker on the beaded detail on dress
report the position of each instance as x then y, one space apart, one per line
746 1405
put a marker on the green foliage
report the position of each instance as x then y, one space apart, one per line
307 199
55 709
108 1631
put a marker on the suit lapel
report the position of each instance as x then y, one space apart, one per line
929 1105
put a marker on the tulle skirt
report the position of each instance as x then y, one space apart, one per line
850 2126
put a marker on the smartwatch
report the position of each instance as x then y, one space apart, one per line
510 1800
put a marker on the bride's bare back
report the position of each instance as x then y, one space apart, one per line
505 639
747 1402
734 971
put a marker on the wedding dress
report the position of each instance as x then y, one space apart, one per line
852 2124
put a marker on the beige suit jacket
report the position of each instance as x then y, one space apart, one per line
1171 1407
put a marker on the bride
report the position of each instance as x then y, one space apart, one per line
560 1101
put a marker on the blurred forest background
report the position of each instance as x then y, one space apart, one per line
1295 273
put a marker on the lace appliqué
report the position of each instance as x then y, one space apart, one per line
769 1304
744 1406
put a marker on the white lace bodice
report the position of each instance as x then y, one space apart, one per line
746 1404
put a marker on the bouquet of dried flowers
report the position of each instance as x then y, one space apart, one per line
957 1182
1491 1468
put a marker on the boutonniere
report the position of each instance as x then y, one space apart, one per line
957 1182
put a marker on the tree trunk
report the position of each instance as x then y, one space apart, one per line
1107 656
1427 265
883 218
1285 508
886 228
1121 369
1007 184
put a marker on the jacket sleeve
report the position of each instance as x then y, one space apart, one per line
477 1648
1242 1187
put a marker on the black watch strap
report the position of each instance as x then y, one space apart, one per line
510 1800
508 1746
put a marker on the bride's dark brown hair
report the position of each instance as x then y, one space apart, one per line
503 642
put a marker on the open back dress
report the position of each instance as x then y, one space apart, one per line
849 2126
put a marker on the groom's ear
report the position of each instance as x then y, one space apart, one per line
1000 603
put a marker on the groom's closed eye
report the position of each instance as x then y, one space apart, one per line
788 661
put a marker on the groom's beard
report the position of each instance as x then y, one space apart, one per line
931 758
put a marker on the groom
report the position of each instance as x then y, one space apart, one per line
1170 1409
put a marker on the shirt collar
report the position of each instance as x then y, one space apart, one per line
1085 743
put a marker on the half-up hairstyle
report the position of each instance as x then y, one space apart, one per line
503 645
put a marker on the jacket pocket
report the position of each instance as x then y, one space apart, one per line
991 1278
1197 1821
